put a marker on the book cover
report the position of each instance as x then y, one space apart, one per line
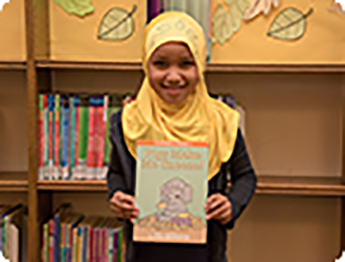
171 190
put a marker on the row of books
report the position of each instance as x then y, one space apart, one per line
74 133
73 136
198 9
13 232
72 237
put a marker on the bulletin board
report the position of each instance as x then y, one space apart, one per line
98 30
12 31
307 32
240 31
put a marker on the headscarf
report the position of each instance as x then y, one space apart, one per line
199 118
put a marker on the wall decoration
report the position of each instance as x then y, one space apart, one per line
225 23
2 3
259 6
289 24
117 24
338 7
77 7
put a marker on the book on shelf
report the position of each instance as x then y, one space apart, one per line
171 190
13 232
74 132
69 236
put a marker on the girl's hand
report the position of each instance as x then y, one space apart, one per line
123 206
218 207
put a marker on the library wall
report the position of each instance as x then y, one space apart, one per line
13 122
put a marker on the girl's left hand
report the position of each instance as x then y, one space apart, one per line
218 207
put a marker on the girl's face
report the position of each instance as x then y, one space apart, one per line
172 72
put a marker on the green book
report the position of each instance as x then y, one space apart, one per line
171 190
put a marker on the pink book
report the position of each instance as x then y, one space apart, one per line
91 140
51 240
99 136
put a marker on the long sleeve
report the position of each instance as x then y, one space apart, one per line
115 177
243 179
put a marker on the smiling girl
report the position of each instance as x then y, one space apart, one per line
173 105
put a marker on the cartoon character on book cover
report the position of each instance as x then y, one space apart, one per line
171 192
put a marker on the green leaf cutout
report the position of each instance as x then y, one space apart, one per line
77 7
289 24
117 24
224 23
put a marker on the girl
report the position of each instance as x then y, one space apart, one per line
173 105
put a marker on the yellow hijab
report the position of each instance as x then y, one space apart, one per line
199 118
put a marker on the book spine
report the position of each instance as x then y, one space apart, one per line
75 245
72 133
41 137
91 138
62 242
76 133
46 136
4 237
100 137
45 253
57 137
110 245
51 136
90 245
57 238
65 140
83 134
51 240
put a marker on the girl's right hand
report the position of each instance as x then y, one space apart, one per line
123 206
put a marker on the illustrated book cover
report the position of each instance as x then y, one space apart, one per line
171 190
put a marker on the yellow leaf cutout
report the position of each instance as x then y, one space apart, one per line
225 23
77 7
338 8
221 25
289 24
117 24
259 6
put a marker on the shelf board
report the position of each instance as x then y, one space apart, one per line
266 185
211 67
322 186
72 185
12 65
13 181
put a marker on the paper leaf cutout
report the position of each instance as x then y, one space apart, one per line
117 24
237 10
2 3
77 7
224 23
259 6
338 7
289 24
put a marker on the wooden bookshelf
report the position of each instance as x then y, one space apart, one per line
275 185
211 67
9 65
72 185
13 181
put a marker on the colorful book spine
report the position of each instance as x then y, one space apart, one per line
46 135
65 138
76 132
63 242
91 139
51 135
72 133
57 137
51 240
41 137
110 245
100 137
83 132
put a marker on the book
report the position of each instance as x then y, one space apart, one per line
171 190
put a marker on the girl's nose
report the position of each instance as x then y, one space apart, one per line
173 77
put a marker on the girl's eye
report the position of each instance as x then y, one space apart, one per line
187 63
159 63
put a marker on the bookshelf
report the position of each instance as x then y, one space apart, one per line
305 186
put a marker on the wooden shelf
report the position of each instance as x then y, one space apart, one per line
266 185
300 186
9 65
212 67
72 185
13 181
